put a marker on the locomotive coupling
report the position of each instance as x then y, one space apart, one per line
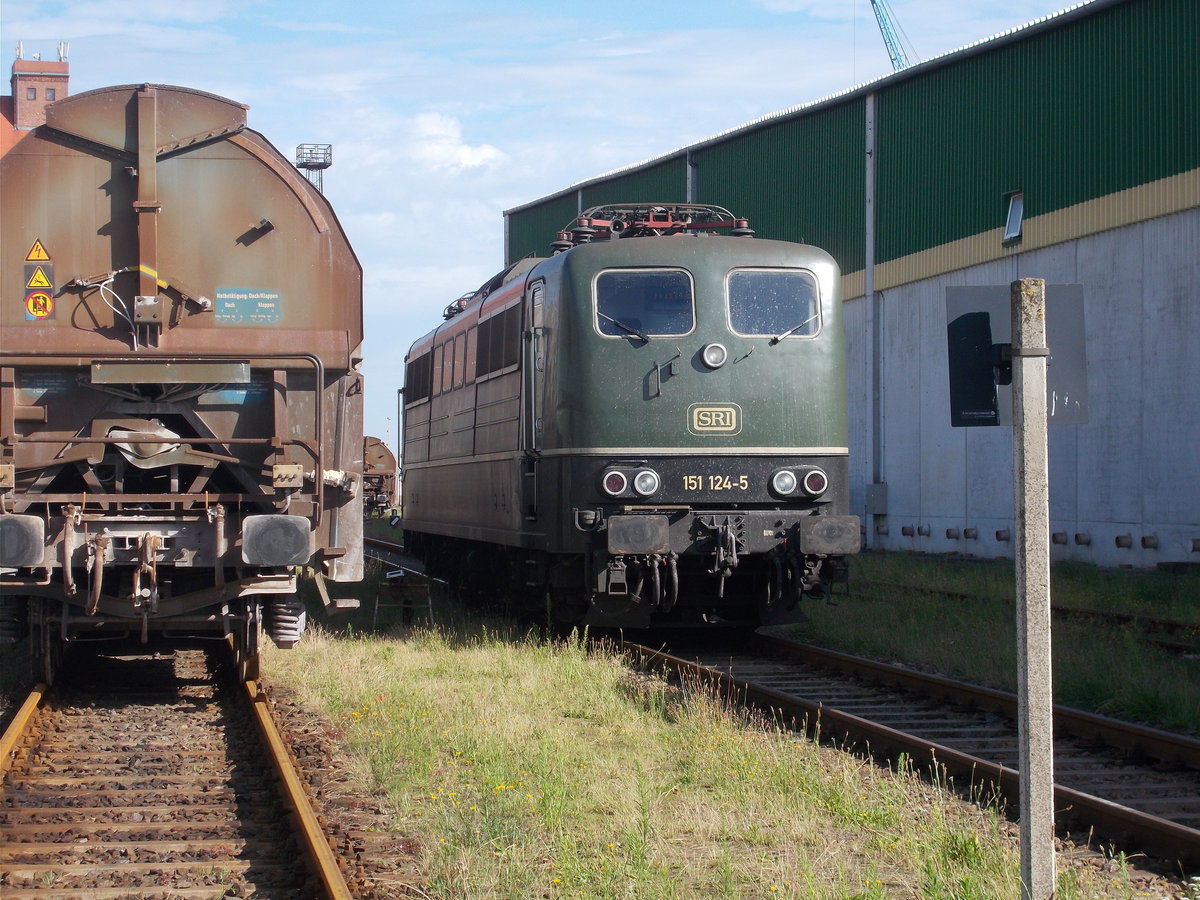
650 582
588 519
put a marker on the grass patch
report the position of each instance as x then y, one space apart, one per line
1148 592
1100 668
527 768
382 529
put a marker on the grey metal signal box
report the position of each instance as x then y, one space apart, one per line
979 336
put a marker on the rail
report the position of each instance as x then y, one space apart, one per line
313 837
182 809
19 725
1160 836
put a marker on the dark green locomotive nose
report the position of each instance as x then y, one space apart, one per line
727 344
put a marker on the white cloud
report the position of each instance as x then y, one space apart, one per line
437 143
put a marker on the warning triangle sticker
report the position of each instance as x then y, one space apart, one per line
38 279
37 253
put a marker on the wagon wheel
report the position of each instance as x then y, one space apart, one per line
45 643
244 629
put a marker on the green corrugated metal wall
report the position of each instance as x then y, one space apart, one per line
798 179
664 182
532 230
1102 102
1099 105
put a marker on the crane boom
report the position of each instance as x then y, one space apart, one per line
895 48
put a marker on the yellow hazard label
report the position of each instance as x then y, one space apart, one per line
37 253
39 305
38 279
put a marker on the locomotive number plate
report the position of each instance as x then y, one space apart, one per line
716 482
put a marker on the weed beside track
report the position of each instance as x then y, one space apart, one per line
524 768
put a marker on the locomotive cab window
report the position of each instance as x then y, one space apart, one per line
777 303
642 302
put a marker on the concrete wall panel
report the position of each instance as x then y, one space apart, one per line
1110 446
1171 373
902 470
1125 487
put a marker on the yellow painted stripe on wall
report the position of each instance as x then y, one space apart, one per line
1137 204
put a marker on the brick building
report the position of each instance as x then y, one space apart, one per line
36 83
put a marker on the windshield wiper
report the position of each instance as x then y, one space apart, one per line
780 337
629 328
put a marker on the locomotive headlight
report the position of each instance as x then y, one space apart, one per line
615 483
646 482
714 355
815 482
784 482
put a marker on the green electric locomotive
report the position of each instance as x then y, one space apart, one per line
647 427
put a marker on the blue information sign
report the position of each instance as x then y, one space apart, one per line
248 306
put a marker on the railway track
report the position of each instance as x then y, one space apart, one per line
398 559
390 554
1135 787
155 775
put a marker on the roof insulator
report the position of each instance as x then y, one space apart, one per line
584 231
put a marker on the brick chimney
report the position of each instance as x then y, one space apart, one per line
36 83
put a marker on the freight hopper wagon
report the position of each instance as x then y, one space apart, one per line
647 427
180 402
379 477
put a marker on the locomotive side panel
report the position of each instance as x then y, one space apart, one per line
461 426
415 406
498 414
466 499
462 493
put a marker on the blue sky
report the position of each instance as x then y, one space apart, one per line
442 115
